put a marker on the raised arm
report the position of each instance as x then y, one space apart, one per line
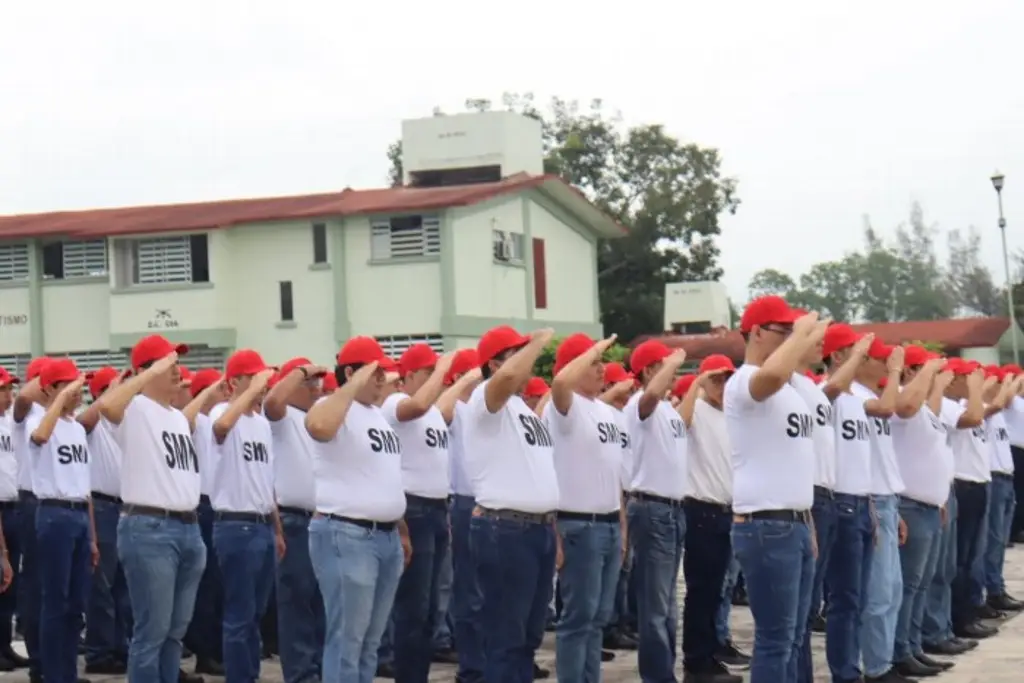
459 391
29 394
44 430
885 405
240 404
325 418
779 367
275 404
115 401
199 403
839 382
689 402
564 384
417 405
660 384
912 398
514 372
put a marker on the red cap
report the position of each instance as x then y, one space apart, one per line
765 310
361 351
58 370
464 361
959 366
647 354
536 387
838 336
571 348
290 366
388 364
244 362
101 379
683 385
186 374
330 384
914 355
7 379
716 361
1011 369
202 379
615 373
417 357
498 340
994 371
35 367
153 348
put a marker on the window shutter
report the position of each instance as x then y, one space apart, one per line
163 260
13 262
85 259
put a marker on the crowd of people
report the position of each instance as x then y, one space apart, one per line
871 501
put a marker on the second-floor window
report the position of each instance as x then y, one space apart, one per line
401 237
180 259
13 261
74 259
396 346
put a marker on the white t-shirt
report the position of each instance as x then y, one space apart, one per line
60 467
203 439
970 447
104 459
659 450
359 471
1013 414
509 455
8 461
885 472
853 446
1000 456
773 458
824 432
20 436
159 466
244 481
627 450
587 455
710 458
294 461
924 457
425 466
460 481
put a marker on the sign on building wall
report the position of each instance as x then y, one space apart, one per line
13 320
163 319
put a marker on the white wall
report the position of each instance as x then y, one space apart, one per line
14 323
76 316
482 287
571 267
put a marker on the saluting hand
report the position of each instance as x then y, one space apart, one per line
943 380
72 389
363 374
894 363
444 363
605 344
676 358
164 364
805 324
860 349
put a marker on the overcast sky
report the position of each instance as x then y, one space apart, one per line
823 114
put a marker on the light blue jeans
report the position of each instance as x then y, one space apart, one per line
885 591
358 571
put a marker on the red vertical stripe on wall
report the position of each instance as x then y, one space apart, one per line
540 275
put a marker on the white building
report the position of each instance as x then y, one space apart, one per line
477 237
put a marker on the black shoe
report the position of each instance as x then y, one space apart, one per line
209 667
607 655
818 624
617 640
890 676
1000 601
969 643
714 673
937 663
109 667
385 671
948 648
739 599
6 665
975 631
987 611
540 673
184 677
446 656
730 655
186 653
13 657
912 667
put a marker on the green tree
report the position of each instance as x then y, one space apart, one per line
969 280
831 288
771 282
545 365
669 193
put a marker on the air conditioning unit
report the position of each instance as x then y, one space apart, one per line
500 242
508 247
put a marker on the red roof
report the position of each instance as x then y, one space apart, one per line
223 214
953 334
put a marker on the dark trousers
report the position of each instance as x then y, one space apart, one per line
204 631
300 607
1018 488
708 550
108 615
9 598
29 590
466 598
972 504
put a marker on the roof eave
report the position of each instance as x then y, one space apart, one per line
603 225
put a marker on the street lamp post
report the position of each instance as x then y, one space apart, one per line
997 183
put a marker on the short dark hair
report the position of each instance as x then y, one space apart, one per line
485 368
339 372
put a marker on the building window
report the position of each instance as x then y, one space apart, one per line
395 346
163 260
16 364
13 261
74 259
508 247
319 243
405 237
287 311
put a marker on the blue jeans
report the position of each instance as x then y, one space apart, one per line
245 552
976 575
918 557
515 563
658 533
8 599
163 559
416 601
777 560
1002 503
825 520
205 635
972 509
358 569
386 649
937 624
706 559
64 556
29 586
108 615
732 575
848 572
592 553
442 617
300 609
885 590
466 598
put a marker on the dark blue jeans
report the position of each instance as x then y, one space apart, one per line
245 551
825 521
300 607
108 616
918 558
848 572
442 639
466 599
515 565
972 506
592 553
706 561
30 586
657 532
777 561
937 624
417 598
623 618
9 598
1001 507
63 538
205 631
